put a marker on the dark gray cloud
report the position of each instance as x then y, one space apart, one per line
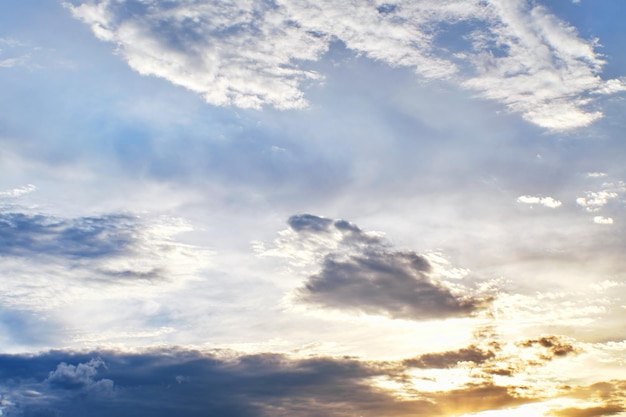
394 284
183 382
178 382
451 358
375 279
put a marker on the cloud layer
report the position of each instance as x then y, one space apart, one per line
255 52
174 381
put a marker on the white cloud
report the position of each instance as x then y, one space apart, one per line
233 53
17 192
544 201
18 51
602 220
596 174
249 53
593 201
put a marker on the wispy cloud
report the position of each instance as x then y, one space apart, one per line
18 192
52 265
255 53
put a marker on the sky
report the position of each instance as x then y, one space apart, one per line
270 208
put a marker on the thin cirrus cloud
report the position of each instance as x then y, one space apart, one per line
255 53
360 273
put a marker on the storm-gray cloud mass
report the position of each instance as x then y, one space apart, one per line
185 382
373 278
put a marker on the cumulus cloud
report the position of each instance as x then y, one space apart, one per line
360 273
544 201
255 52
594 201
602 220
79 377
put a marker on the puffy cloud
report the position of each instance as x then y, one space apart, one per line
79 377
254 52
602 220
544 201
594 201
360 273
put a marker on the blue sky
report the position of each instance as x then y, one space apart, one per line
312 208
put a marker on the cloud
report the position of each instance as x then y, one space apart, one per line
184 382
608 410
19 51
553 346
87 237
89 278
450 358
109 246
394 284
594 201
358 272
602 220
176 381
544 201
254 53
18 192
79 377
244 54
